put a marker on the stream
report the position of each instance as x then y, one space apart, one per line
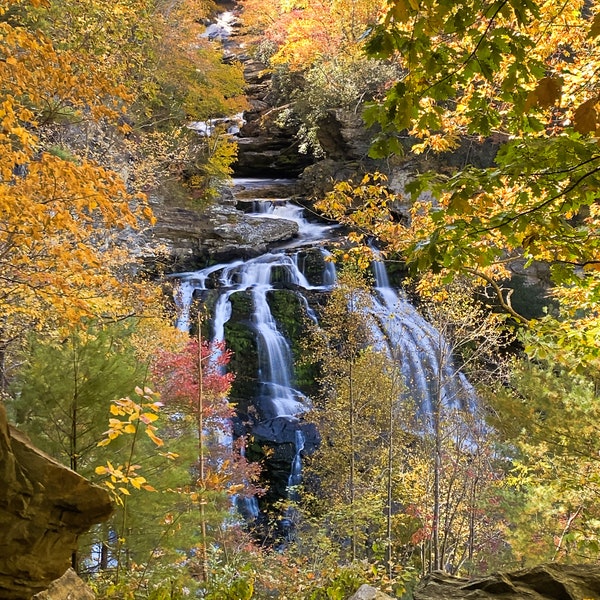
258 306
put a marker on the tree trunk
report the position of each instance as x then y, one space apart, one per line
201 474
390 457
103 556
352 463
437 468
73 450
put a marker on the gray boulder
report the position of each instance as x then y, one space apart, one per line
545 582
367 592
68 587
220 231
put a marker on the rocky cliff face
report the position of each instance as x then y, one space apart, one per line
43 508
188 239
545 582
266 147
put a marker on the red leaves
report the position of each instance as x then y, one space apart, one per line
177 375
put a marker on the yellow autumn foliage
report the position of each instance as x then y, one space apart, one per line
61 213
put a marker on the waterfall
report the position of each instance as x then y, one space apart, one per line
296 472
256 277
413 343
420 350
221 28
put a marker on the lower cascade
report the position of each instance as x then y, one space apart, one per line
248 300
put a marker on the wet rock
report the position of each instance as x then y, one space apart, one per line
282 430
266 146
43 508
249 235
279 430
545 582
219 231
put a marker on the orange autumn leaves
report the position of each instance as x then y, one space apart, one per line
305 33
58 214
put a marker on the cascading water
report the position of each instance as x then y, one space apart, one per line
278 396
419 349
277 403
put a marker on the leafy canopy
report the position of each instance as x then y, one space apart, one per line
518 75
517 70
57 210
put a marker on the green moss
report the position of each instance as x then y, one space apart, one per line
312 264
62 153
241 341
290 313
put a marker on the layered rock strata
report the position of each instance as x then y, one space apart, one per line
43 508
544 582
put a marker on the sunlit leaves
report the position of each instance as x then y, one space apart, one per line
137 415
549 415
133 417
57 210
491 63
367 208
312 32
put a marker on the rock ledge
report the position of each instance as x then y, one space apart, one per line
43 508
545 582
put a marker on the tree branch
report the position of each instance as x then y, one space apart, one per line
504 301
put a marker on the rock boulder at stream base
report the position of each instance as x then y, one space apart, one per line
545 582
366 592
44 506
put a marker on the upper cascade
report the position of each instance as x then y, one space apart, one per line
401 330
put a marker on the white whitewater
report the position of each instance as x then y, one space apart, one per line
275 357
420 350
410 340
279 398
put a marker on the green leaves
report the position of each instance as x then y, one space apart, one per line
548 416
382 42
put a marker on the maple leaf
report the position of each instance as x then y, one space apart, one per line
545 94
586 118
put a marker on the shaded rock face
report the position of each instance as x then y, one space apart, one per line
545 582
43 508
343 136
266 148
221 232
